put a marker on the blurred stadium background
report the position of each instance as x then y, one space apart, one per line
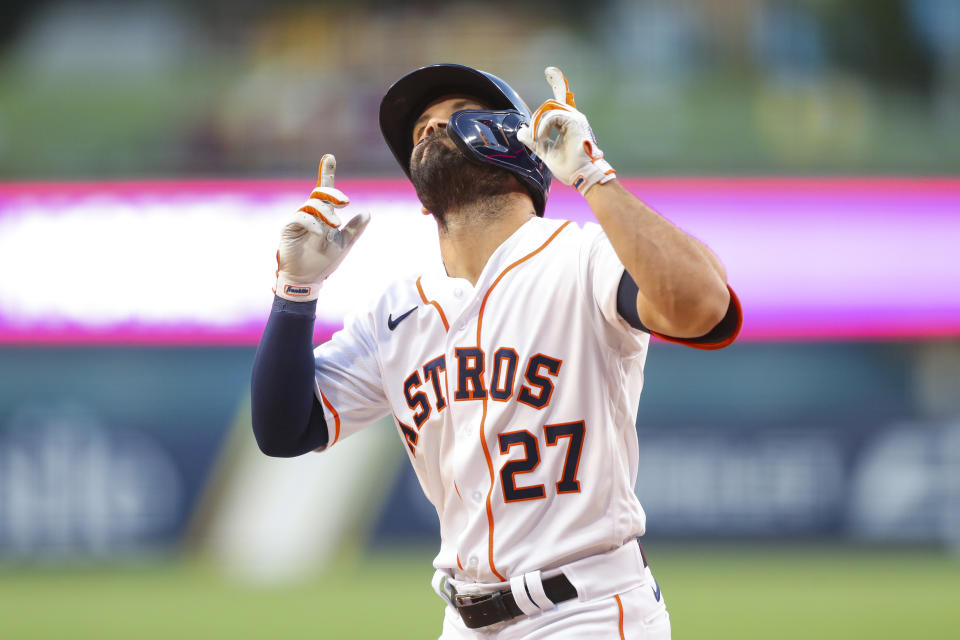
803 483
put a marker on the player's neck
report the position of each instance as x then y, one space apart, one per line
471 234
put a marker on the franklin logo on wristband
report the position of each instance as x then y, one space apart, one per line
293 290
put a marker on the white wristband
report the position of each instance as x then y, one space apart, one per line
596 172
295 291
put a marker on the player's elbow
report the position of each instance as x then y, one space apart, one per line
288 429
268 443
697 315
273 443
274 433
710 311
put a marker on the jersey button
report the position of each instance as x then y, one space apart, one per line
473 561
458 292
477 496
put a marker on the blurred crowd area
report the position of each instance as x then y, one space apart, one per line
254 88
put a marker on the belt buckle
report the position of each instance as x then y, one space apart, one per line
467 599
481 610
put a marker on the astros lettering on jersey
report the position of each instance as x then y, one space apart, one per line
515 400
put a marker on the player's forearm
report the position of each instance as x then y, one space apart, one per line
287 421
682 284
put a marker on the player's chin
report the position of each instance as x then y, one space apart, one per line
432 148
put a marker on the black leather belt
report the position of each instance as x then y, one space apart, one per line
482 610
490 608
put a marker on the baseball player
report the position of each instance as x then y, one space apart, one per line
513 370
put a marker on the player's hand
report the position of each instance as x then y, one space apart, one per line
573 155
313 241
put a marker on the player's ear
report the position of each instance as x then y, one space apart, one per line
424 211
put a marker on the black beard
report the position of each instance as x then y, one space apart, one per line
445 179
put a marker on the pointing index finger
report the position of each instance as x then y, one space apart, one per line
328 165
560 86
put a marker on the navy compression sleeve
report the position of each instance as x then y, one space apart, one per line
287 418
720 336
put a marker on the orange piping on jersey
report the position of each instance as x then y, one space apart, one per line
620 609
486 455
457 489
336 418
483 416
443 317
715 345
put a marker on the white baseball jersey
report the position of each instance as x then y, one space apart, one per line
515 400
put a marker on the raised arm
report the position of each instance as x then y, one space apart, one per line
681 284
287 419
682 289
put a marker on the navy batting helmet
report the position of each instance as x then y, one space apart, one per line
486 137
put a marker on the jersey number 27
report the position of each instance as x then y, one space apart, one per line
568 483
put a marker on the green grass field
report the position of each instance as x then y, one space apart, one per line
712 592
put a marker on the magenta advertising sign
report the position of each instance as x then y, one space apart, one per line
168 262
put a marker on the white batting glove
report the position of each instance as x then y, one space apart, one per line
313 243
573 157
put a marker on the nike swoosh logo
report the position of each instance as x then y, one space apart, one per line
656 592
392 324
